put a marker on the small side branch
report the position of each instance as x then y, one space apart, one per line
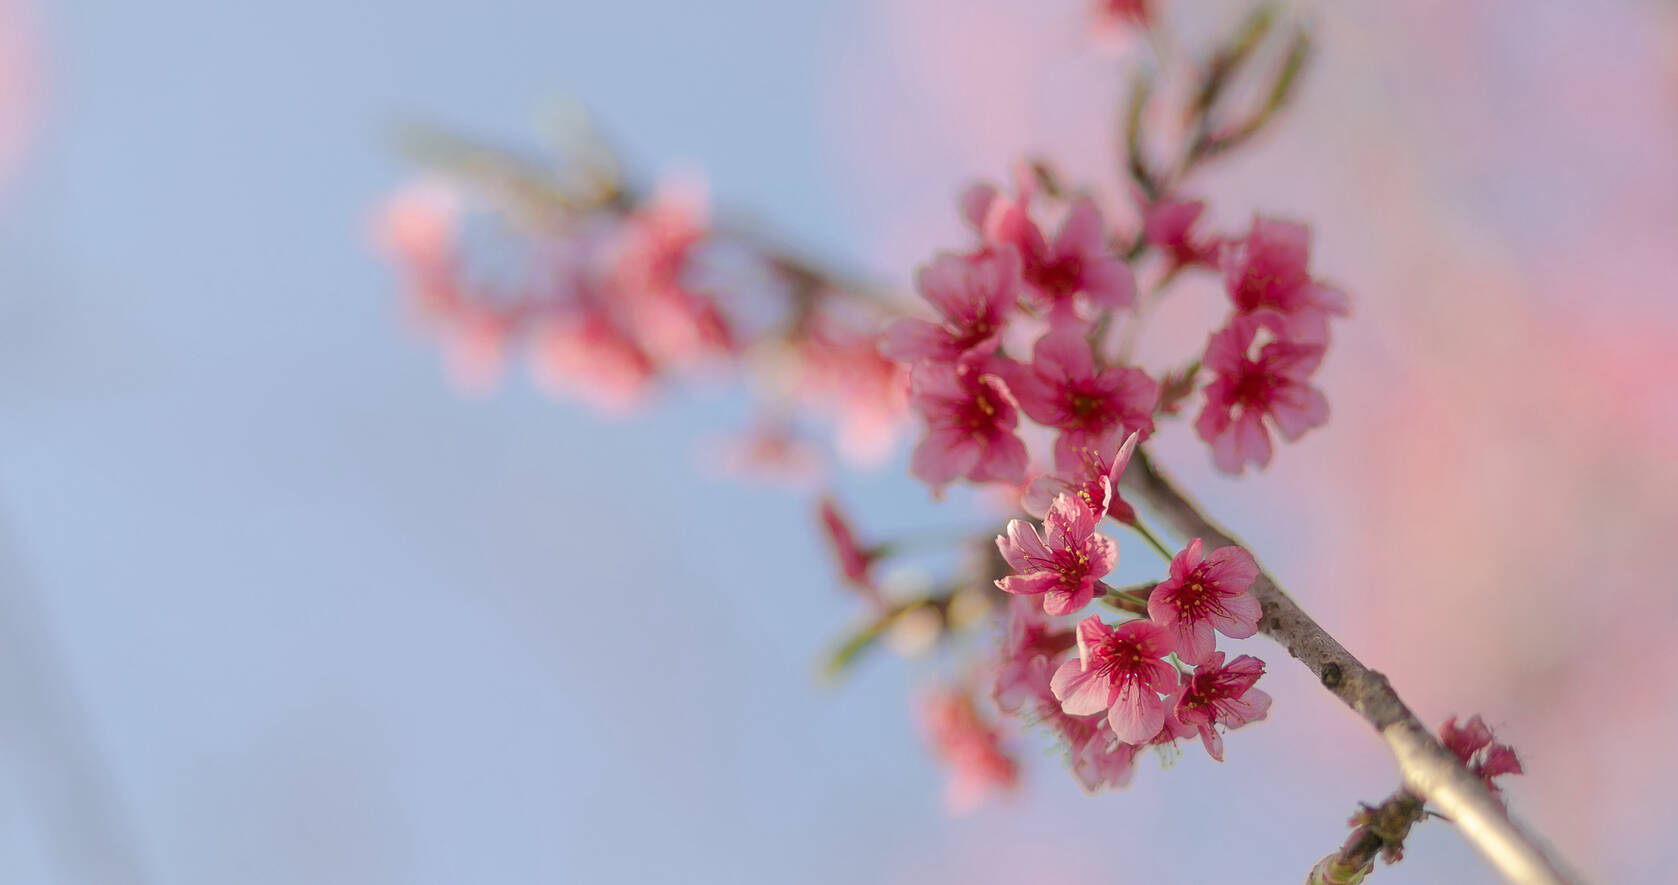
1429 770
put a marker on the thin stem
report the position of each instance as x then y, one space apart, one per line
1429 770
1153 541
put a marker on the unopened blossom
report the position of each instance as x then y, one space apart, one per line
973 295
1093 476
1170 226
969 745
1119 671
1064 563
1077 261
856 563
1250 392
1024 662
1472 743
1204 594
1267 274
1219 694
970 420
1094 408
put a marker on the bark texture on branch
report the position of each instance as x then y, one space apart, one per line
1429 770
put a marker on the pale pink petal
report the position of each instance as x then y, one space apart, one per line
1031 584
1253 441
1231 568
1136 714
1080 693
912 340
975 204
1063 355
1240 616
1081 233
1195 641
1109 283
1297 409
941 457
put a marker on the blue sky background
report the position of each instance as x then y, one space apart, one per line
281 607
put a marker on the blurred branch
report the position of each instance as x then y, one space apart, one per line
1429 770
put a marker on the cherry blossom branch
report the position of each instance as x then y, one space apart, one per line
1429 769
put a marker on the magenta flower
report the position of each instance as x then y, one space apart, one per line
1472 743
1169 225
973 296
1274 385
1206 594
970 420
1118 671
1093 409
1064 564
1266 274
1076 261
1216 694
1098 759
1094 478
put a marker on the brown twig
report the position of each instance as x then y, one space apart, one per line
1429 770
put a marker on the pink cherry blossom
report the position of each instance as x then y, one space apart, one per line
1266 274
1274 385
1203 594
1094 409
1093 477
969 745
1076 261
1118 671
1216 694
1169 225
973 295
1473 744
1029 644
1062 565
970 418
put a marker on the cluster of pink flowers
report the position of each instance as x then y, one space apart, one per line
1127 683
1157 678
620 296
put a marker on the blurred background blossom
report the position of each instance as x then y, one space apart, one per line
280 605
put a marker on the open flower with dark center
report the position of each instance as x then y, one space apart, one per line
1120 671
1204 594
1216 694
970 420
1267 274
1249 391
1094 409
1063 564
973 295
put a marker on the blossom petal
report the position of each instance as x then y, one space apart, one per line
1080 692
